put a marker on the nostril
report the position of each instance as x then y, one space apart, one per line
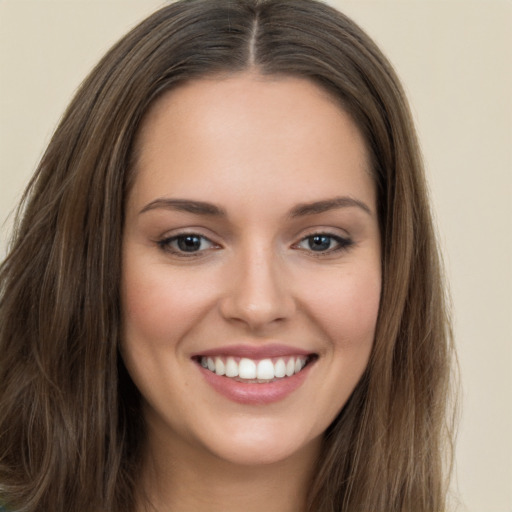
257 291
257 313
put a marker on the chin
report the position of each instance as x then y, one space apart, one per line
262 444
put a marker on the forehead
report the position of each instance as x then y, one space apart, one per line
220 98
249 131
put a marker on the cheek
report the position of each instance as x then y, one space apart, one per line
159 308
158 305
347 308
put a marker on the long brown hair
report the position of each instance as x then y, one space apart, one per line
70 428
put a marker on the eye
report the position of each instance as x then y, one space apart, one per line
324 243
186 244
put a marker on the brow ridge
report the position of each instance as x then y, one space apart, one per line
301 210
184 205
317 207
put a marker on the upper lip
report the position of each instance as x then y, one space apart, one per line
255 351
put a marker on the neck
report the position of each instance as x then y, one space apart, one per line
184 479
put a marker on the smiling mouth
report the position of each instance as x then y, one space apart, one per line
251 371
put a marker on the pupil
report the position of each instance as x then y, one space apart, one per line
189 243
320 242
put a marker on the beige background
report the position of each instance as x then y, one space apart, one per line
455 60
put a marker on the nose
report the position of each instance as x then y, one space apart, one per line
258 292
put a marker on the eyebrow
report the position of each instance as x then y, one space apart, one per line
301 210
317 207
185 205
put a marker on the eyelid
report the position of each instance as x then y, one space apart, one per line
344 242
164 243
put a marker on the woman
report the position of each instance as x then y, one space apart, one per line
224 290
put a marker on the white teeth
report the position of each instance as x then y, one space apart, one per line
220 368
280 369
265 369
231 367
247 369
290 367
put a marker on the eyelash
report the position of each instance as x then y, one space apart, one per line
342 243
165 245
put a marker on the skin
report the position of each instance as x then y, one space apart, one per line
257 148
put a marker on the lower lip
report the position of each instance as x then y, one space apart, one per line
255 394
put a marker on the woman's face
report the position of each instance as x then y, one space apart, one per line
251 247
